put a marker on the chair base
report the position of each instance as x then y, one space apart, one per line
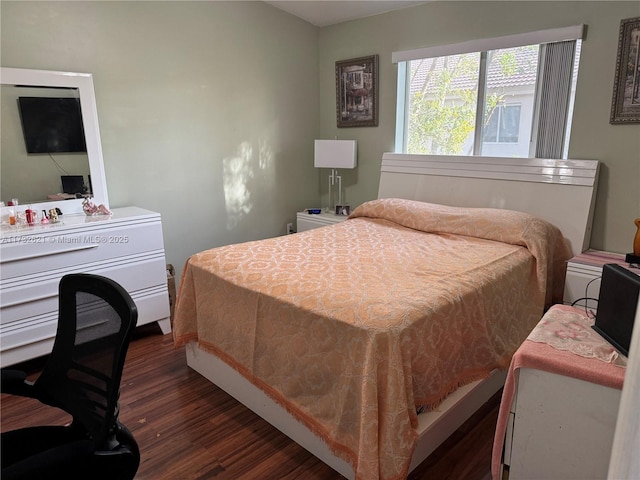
62 452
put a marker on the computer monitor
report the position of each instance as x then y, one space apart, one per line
72 184
617 303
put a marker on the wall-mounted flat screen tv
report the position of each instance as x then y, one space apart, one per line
52 125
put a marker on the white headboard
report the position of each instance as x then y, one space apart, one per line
562 192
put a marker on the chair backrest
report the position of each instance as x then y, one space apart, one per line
82 375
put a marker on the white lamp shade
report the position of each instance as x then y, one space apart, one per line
335 154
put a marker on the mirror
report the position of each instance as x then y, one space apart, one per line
34 177
33 174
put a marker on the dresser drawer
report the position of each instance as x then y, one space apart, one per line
29 313
39 297
32 254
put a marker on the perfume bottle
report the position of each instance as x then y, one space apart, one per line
31 216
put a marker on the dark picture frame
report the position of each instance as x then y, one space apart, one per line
344 210
625 106
357 92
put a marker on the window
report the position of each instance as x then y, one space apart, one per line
510 101
442 104
501 124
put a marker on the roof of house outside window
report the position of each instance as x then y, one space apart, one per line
524 72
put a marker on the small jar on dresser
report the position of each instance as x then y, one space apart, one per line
582 283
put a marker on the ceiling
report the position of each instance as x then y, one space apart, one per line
323 13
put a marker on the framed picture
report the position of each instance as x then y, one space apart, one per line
343 210
625 106
357 92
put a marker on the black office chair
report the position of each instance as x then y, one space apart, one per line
82 377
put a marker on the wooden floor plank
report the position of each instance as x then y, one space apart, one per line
189 429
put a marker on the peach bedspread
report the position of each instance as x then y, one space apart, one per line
351 327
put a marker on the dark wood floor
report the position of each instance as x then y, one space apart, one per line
188 428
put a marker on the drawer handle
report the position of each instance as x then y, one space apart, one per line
55 252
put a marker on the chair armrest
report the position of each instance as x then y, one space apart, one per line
15 382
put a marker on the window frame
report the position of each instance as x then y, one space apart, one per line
482 46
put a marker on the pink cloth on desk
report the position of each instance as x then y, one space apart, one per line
541 356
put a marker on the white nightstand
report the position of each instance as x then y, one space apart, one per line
307 221
560 407
584 268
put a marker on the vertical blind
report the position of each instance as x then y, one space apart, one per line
553 101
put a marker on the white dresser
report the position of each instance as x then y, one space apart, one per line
127 247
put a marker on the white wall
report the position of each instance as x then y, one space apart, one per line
442 22
207 110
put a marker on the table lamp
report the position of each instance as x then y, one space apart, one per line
335 154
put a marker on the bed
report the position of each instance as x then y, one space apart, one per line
340 336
